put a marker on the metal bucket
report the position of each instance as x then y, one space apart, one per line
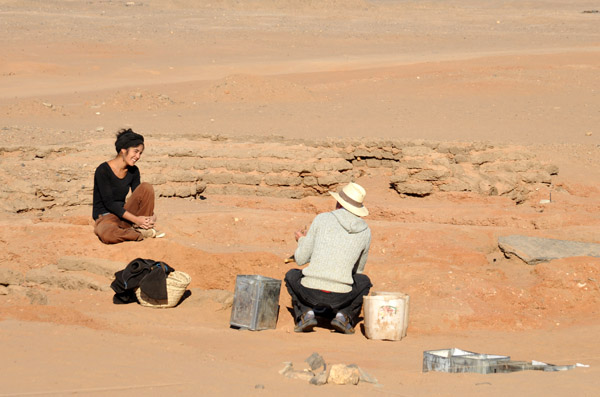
255 302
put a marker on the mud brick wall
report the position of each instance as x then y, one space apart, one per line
248 168
420 168
40 177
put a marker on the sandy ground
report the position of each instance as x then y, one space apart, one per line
524 73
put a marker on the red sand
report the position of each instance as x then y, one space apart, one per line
510 72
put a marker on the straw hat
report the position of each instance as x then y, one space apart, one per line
351 197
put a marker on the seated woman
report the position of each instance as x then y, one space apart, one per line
117 220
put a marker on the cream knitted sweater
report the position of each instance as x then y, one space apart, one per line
336 245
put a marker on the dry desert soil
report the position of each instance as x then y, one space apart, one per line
208 80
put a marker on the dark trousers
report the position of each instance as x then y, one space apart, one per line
111 229
327 303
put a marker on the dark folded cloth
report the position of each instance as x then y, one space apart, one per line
148 275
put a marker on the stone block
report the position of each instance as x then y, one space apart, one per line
155 179
216 162
201 164
165 191
183 176
414 188
481 146
181 152
322 154
508 166
309 180
323 165
454 149
441 161
415 163
217 178
379 154
515 155
462 158
361 152
247 179
340 164
282 180
300 167
536 177
523 166
184 191
345 177
283 192
265 167
400 175
200 187
431 174
454 185
10 277
329 179
533 250
373 163
279 166
485 157
186 163
416 151
248 165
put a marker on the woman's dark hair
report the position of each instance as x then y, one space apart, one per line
126 138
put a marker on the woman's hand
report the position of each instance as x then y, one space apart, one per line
145 222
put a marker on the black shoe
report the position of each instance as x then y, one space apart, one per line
306 324
344 326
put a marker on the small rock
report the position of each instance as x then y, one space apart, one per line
364 376
288 367
99 129
315 361
289 372
589 133
302 375
319 379
259 386
4 290
341 374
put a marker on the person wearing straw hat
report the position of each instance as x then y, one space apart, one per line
336 247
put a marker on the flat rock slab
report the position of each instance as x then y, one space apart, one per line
533 250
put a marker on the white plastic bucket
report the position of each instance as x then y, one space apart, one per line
386 315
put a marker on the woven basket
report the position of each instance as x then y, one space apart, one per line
177 282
